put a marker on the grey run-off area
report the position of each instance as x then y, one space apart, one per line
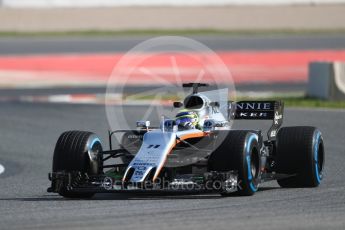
273 17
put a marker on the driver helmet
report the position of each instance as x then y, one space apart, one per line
187 120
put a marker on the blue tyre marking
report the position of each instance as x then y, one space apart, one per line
248 166
94 141
253 188
316 153
251 184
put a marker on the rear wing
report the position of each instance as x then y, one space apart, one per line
259 110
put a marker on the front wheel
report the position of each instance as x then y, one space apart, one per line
239 151
77 151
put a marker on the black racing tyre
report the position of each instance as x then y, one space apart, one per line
132 140
77 151
301 153
239 151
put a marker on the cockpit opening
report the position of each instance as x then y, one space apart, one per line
193 102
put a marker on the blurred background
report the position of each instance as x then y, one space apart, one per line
267 44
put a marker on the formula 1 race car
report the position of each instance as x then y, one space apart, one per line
195 151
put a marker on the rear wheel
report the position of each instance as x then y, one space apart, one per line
77 151
239 151
300 153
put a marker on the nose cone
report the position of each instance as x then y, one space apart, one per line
152 154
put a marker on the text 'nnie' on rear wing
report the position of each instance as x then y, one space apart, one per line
259 110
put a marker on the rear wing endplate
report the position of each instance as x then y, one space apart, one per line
259 110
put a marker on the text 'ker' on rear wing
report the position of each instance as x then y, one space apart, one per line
259 110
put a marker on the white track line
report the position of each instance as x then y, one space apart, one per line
2 169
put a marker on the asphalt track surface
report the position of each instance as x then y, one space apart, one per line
39 45
28 135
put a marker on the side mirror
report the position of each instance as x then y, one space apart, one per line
143 124
215 104
178 104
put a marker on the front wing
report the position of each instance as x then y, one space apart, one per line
83 183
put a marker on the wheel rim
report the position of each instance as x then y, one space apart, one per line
253 169
94 159
96 148
320 159
253 165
